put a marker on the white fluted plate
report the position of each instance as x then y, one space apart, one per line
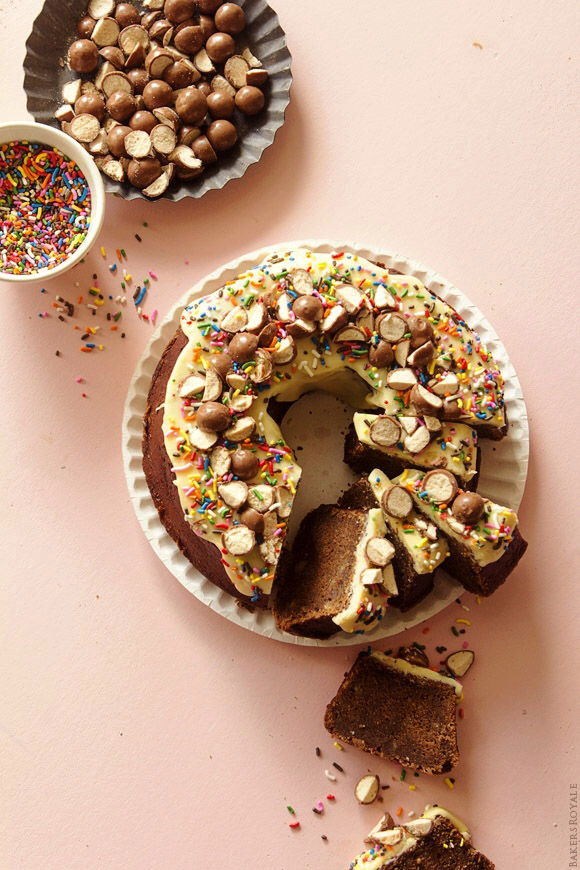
502 476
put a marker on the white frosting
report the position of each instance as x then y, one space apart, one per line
367 604
487 539
453 448
344 372
415 670
426 555
379 856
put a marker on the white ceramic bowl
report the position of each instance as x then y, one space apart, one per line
32 132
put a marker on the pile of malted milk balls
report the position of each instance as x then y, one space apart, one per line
160 90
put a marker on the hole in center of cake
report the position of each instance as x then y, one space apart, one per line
315 427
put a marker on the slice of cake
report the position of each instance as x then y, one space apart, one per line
419 546
483 537
399 711
437 840
394 442
338 574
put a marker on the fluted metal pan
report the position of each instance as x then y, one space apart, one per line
45 72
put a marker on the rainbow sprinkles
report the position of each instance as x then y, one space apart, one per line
45 207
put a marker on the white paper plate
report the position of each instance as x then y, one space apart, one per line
504 464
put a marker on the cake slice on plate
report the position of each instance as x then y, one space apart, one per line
393 442
484 538
338 574
399 711
419 546
437 840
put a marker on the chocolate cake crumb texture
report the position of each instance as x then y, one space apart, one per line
397 711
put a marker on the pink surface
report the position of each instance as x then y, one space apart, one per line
139 729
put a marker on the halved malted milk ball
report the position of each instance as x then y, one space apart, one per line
379 551
440 486
397 502
239 540
385 431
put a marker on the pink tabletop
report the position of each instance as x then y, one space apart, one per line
141 730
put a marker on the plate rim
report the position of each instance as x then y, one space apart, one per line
262 622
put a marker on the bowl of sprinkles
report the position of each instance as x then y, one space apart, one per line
52 202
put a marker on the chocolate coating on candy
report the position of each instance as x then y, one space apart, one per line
220 105
468 507
213 417
230 18
422 355
177 11
90 104
451 409
420 329
202 148
127 14
308 308
221 364
138 78
381 354
187 134
116 140
143 120
440 485
222 135
268 334
208 7
204 88
250 100
157 93
243 346
397 502
83 56
191 105
189 39
220 46
121 106
159 28
142 173
253 519
207 25
178 75
245 464
150 18
85 27
424 401
114 55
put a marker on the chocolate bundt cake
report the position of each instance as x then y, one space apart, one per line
221 475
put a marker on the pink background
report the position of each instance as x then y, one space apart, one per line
138 728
